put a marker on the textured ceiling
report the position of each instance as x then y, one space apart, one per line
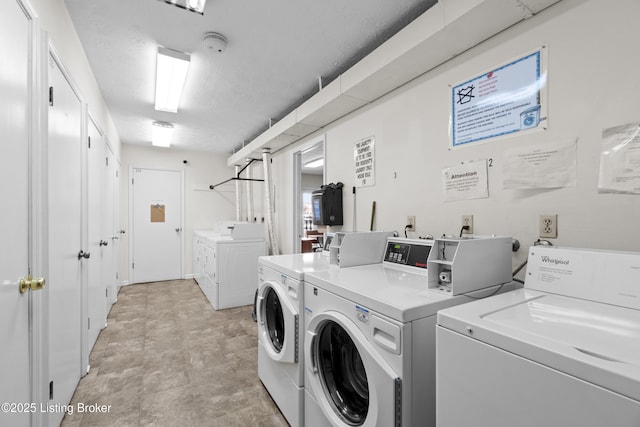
276 52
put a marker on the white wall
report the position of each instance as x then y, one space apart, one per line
54 18
592 85
311 182
202 209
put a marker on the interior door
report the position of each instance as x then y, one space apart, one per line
15 356
66 254
157 225
110 231
98 244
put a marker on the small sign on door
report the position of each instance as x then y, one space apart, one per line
157 213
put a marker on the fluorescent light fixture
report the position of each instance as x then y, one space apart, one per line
171 73
161 134
196 6
315 163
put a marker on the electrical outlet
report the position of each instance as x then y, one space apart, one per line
411 220
468 221
549 226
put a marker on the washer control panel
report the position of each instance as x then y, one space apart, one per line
409 252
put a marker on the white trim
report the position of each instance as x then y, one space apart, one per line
38 213
53 52
298 226
96 123
84 233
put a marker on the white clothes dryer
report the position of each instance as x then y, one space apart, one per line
370 340
279 307
226 263
563 351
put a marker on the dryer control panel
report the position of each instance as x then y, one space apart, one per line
409 252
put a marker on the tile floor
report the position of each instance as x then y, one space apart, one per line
168 359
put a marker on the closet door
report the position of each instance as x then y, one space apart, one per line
99 244
15 226
66 253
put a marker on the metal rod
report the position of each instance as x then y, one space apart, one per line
238 205
237 177
247 165
211 187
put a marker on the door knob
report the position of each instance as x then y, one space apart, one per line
31 283
104 243
83 254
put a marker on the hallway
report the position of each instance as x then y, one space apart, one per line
168 359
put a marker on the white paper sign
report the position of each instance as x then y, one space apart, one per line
465 181
620 159
364 162
542 166
503 101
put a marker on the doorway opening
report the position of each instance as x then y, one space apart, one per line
309 172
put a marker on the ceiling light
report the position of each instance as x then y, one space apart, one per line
161 134
171 73
196 6
315 163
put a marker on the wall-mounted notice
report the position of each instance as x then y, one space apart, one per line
364 162
541 166
157 212
620 159
503 101
465 181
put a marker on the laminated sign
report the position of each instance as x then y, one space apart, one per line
364 162
503 101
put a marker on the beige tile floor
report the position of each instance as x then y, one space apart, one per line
168 359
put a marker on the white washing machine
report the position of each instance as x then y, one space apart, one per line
279 307
563 351
370 340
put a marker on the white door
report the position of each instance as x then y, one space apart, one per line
110 231
98 243
157 225
66 254
15 107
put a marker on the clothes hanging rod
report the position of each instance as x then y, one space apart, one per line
247 165
237 177
211 187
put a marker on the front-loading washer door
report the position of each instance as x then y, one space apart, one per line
277 323
352 383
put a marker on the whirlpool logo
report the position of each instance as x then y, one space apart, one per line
555 261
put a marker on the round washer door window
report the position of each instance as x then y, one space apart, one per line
274 319
343 374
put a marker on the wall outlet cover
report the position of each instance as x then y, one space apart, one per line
468 221
549 226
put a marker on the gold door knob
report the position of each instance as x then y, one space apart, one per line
31 283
